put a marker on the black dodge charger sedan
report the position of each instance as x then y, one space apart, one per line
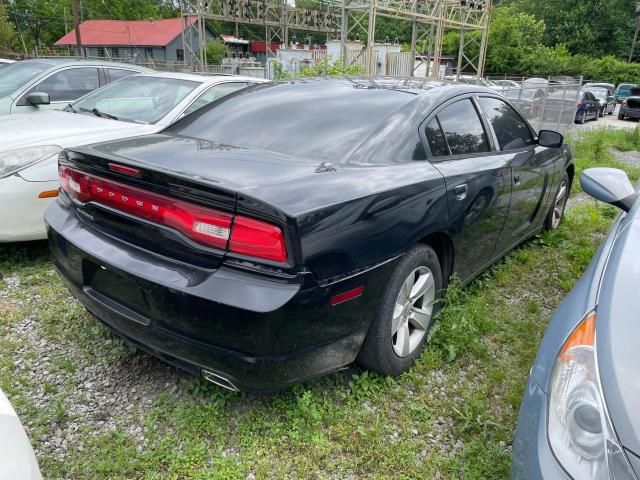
291 228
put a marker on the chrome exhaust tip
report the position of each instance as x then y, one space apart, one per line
219 380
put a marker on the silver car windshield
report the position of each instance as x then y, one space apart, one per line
18 74
139 99
600 94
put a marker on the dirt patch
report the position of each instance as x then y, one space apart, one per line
631 157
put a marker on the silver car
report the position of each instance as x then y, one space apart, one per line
580 416
41 84
138 105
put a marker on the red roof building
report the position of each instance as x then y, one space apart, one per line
153 40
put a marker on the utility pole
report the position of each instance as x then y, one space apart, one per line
635 35
76 26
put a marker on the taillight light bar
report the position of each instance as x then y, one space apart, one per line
206 226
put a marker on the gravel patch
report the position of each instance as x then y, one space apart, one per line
579 198
631 157
95 397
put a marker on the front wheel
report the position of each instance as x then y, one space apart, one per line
556 213
398 333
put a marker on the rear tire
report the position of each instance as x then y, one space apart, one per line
398 332
583 118
556 212
620 116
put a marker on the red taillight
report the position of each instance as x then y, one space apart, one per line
203 225
257 239
624 103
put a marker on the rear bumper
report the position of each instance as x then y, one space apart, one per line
258 333
532 458
630 112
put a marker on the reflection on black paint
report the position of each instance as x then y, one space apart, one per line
463 129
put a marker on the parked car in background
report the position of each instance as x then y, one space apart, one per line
528 100
580 416
502 85
560 107
5 61
606 101
41 84
609 87
259 253
137 105
623 91
466 79
587 107
630 106
17 460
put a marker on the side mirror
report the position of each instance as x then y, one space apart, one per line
549 138
609 185
38 98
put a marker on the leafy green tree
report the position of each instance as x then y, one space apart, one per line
8 37
512 36
215 51
590 27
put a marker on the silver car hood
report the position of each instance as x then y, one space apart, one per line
65 129
17 459
618 332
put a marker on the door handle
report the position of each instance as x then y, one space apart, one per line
461 191
516 179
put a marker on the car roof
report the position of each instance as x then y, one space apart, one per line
202 78
64 61
409 85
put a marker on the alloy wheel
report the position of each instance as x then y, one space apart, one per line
412 311
558 205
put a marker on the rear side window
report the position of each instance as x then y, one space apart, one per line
462 129
435 137
118 73
512 132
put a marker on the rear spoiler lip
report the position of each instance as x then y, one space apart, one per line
80 154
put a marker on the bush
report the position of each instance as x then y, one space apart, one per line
323 68
215 52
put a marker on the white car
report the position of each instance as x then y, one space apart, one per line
138 105
17 460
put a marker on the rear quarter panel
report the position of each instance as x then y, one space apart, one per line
391 209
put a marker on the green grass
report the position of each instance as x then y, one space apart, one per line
453 414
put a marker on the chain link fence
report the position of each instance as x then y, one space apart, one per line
547 103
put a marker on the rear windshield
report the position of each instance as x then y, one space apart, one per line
625 86
17 74
313 119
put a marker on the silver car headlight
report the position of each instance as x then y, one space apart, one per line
12 161
580 431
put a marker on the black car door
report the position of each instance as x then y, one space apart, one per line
591 104
477 179
532 170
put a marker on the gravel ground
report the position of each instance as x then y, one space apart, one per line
608 121
630 158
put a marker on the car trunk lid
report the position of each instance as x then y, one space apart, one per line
165 172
